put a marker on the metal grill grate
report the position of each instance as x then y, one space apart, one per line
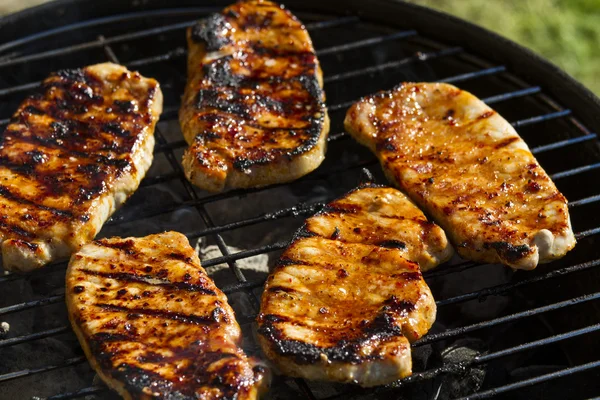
358 58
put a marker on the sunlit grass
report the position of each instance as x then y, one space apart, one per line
565 31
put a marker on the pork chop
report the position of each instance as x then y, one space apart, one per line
154 325
253 110
71 155
343 304
468 168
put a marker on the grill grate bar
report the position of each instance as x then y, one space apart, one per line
587 233
34 371
142 34
178 52
512 95
245 254
306 210
367 42
532 381
475 74
495 290
450 333
340 106
459 367
295 211
563 143
19 88
587 200
431 274
541 118
277 246
31 304
50 268
418 57
450 269
34 336
351 19
108 51
479 294
575 171
538 343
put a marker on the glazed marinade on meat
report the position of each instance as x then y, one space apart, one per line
253 110
73 152
468 168
154 325
343 303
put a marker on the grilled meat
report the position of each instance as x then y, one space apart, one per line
154 325
343 303
253 110
469 169
72 154
383 216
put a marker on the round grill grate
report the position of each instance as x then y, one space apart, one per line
499 334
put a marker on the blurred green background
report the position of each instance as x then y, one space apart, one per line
564 31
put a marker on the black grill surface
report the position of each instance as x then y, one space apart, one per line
499 333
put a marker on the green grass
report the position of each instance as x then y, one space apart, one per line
565 31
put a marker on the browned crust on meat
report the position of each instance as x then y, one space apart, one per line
72 153
253 110
469 169
153 324
344 310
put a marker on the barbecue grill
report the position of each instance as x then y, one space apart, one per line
499 333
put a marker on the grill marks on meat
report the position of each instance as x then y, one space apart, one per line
253 109
469 169
153 324
343 303
384 217
73 153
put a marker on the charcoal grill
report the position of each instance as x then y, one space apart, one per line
499 334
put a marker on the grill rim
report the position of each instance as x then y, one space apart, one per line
301 383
